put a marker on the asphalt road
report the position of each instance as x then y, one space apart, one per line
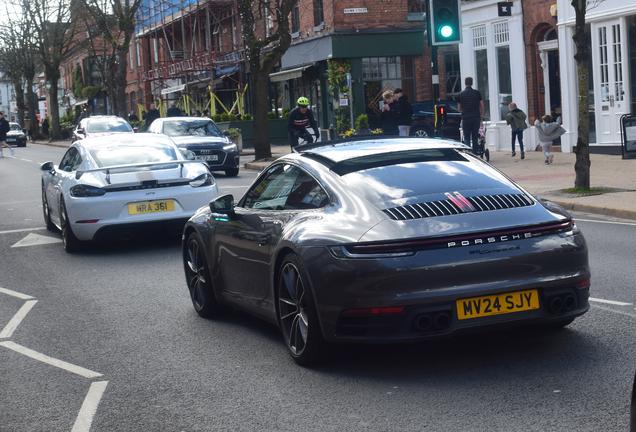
107 340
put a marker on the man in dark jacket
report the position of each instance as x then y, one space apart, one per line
471 106
132 116
406 113
299 118
173 111
390 114
152 115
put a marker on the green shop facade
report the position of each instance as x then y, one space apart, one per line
378 59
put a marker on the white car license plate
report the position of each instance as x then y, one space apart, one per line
208 158
11 139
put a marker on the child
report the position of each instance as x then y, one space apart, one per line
548 131
517 121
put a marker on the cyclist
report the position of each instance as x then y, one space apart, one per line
299 118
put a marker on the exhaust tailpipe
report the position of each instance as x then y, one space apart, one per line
423 322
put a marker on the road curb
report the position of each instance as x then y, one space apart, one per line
604 211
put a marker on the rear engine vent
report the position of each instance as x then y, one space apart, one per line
454 206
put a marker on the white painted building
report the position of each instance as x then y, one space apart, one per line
493 53
612 28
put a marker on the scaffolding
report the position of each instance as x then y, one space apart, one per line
191 47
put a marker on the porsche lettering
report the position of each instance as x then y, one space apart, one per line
486 240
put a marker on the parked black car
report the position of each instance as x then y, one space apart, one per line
16 136
424 120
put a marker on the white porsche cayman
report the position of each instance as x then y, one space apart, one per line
116 186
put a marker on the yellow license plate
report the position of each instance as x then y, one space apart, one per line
150 207
497 304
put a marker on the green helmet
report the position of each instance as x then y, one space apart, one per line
303 101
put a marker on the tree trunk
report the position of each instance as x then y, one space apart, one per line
55 133
121 82
34 125
262 145
582 57
19 101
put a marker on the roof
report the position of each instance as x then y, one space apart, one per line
126 139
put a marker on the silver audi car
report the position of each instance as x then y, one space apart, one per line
386 240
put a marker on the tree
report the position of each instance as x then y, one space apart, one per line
114 22
263 53
53 32
582 57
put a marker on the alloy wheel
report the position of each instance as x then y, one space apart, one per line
196 274
292 304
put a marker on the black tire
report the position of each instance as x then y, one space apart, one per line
232 172
71 243
420 132
296 313
23 144
47 211
198 278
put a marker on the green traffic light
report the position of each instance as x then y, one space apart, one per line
446 31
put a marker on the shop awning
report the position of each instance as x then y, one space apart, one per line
288 74
173 89
80 102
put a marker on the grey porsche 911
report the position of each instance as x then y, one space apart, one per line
386 240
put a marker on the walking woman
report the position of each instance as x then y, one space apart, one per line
4 128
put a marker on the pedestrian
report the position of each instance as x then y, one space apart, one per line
517 121
133 117
548 131
471 105
390 114
299 118
4 128
152 115
45 126
143 115
173 111
406 113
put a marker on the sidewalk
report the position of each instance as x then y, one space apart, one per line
616 175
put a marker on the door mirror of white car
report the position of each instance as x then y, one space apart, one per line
47 166
223 205
188 154
80 131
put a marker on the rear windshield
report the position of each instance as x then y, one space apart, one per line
15 127
384 183
115 154
191 128
107 125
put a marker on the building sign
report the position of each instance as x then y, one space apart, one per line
343 100
355 10
504 8
199 63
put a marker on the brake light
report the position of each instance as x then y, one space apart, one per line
374 311
583 284
83 191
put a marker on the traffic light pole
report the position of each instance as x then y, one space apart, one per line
435 76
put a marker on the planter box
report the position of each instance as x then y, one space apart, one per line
277 131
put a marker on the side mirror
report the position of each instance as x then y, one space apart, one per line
135 129
47 166
226 133
188 154
223 205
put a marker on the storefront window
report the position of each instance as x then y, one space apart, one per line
452 75
505 82
481 79
385 73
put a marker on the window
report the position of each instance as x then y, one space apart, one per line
385 73
138 54
286 187
481 67
156 49
131 59
295 19
71 160
452 75
504 80
319 17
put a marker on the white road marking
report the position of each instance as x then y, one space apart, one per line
26 160
35 240
89 407
605 222
15 294
17 319
50 360
21 230
614 310
612 302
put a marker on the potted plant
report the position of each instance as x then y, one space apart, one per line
234 134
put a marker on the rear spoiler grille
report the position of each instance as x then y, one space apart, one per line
456 204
